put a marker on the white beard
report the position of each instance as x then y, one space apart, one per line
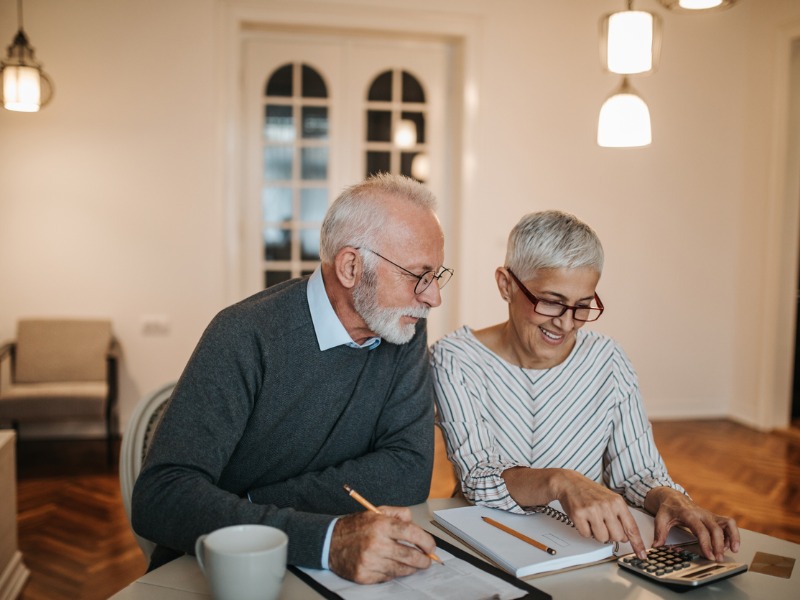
384 321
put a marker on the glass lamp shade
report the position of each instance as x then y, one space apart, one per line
405 134
624 120
697 5
630 41
25 87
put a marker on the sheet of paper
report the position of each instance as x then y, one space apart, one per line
456 579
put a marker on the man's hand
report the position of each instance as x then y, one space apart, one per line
715 534
370 548
599 512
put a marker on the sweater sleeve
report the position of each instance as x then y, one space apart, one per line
397 470
177 497
470 445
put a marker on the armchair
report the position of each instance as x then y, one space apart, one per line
60 370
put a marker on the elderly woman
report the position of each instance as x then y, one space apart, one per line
536 409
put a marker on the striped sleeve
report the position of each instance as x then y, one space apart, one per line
633 463
470 445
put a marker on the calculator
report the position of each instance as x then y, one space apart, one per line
679 568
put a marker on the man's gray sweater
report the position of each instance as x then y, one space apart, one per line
261 411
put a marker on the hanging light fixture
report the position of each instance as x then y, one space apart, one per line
630 41
26 88
697 5
624 120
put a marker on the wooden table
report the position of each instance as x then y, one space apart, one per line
182 579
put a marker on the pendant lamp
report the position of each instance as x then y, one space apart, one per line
697 5
25 86
624 120
630 41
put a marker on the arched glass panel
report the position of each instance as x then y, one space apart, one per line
280 84
395 131
381 88
294 195
412 90
313 85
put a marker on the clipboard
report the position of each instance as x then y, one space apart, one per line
526 590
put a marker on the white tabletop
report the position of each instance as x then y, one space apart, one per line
181 579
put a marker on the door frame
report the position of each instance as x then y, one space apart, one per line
775 356
460 32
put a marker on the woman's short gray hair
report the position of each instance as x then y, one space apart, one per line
357 217
552 239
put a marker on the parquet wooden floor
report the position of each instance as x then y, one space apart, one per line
73 532
76 541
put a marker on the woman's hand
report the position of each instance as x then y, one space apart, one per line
596 511
715 534
599 512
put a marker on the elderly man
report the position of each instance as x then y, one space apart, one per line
306 386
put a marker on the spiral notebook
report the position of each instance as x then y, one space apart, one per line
550 526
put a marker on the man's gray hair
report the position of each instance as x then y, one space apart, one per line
358 216
552 239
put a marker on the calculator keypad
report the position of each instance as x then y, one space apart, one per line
663 560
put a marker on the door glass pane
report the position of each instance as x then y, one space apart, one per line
412 90
381 88
273 277
377 162
276 204
315 122
279 124
313 163
419 119
296 153
278 162
313 85
280 84
379 125
313 204
406 159
277 244
309 244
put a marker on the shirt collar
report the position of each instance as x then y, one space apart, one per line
328 328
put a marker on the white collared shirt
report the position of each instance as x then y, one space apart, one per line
328 328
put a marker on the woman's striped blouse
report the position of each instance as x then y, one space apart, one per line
585 414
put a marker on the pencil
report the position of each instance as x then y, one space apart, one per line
371 507
520 536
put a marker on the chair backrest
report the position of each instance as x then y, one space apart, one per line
58 350
135 443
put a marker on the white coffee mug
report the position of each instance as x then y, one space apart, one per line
243 562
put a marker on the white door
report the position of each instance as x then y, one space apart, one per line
320 112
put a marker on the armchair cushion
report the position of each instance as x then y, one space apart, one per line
55 401
61 350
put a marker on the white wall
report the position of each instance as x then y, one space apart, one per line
113 199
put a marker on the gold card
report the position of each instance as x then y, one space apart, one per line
772 564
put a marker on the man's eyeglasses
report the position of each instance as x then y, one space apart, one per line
556 309
426 279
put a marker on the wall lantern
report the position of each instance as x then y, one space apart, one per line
26 87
